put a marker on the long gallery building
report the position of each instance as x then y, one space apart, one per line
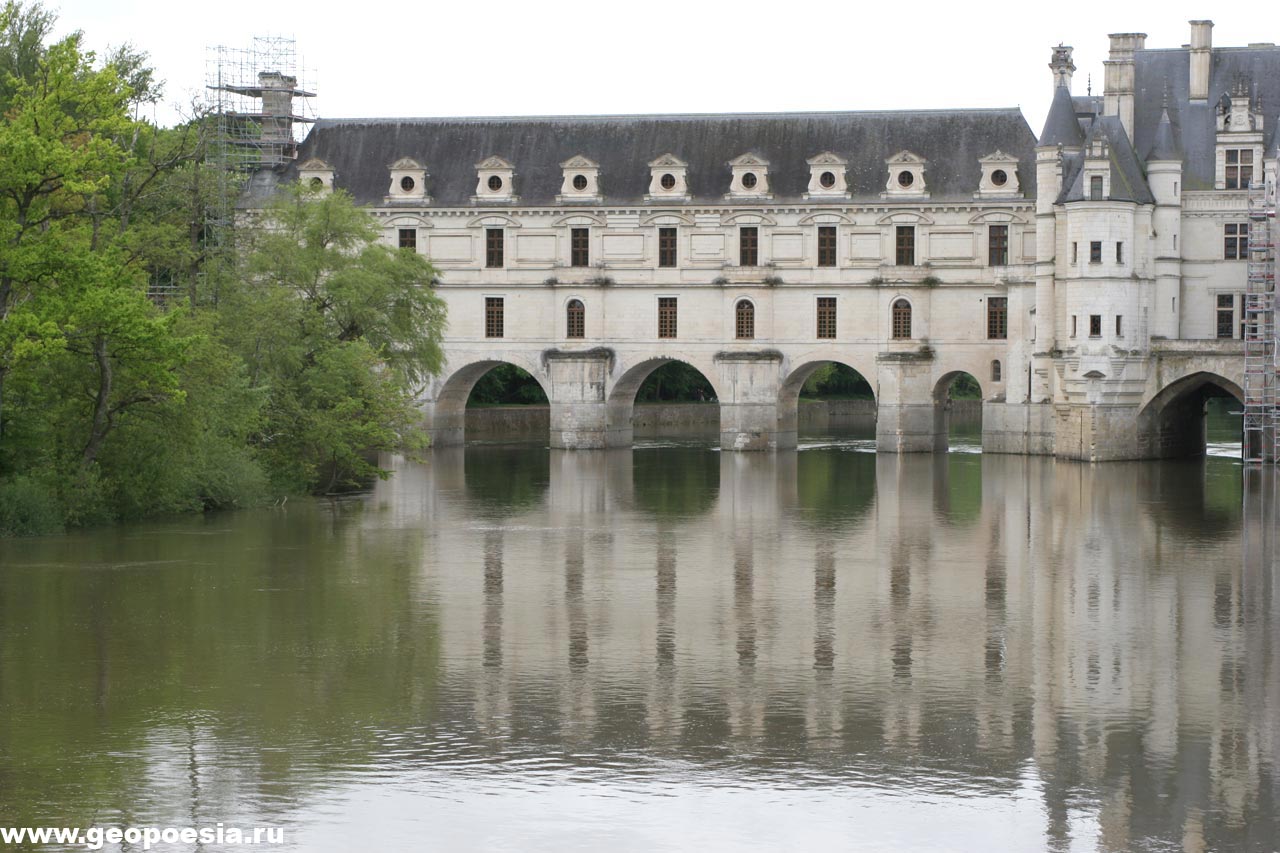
1093 279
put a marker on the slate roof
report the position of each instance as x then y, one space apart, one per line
1128 179
1158 72
952 141
1061 126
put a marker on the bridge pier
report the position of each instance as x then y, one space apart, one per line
749 387
579 406
903 423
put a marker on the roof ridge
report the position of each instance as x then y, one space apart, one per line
676 116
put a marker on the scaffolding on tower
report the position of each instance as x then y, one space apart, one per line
1262 352
259 103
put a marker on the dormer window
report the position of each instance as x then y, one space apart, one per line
750 177
316 174
408 181
581 180
494 181
1239 168
668 179
999 175
827 176
906 176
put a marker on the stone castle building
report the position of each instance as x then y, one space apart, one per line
1091 279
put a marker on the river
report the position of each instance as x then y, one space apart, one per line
671 648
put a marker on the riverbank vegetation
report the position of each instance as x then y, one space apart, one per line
149 364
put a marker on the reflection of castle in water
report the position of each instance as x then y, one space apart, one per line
1001 614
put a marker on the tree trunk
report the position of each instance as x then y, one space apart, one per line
102 405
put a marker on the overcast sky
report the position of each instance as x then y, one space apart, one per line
528 58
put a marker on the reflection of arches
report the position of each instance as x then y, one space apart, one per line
901 317
1172 423
789 395
622 397
449 409
744 320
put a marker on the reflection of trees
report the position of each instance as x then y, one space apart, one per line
506 479
834 487
676 481
256 654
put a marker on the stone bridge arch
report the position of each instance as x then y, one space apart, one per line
1172 423
796 371
445 408
625 382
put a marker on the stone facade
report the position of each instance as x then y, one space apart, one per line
1078 277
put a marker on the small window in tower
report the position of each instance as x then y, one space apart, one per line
579 182
493 317
999 178
826 245
495 183
666 247
668 181
407 184
1119 326
580 247
827 180
1119 253
1095 325
1073 325
995 371
1075 252
1095 252
409 239
1095 188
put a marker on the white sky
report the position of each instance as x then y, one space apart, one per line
570 57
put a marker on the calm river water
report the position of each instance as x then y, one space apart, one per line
512 648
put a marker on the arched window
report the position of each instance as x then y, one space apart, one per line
995 370
902 319
744 316
576 319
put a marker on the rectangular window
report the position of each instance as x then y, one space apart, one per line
998 245
1119 253
493 246
1095 252
748 246
1075 252
1235 241
1226 315
1095 325
666 247
493 316
826 316
1239 168
1119 326
1073 325
906 246
826 245
409 238
666 316
1095 188
580 247
998 317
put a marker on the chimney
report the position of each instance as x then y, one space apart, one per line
1118 86
1201 59
1062 67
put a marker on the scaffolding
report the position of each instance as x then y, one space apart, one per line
1261 353
259 104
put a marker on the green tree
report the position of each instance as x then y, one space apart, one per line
341 329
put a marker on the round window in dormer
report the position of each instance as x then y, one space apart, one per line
407 184
906 179
579 182
316 183
668 181
495 183
827 179
749 180
999 178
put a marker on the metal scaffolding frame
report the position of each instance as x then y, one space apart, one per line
1261 353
